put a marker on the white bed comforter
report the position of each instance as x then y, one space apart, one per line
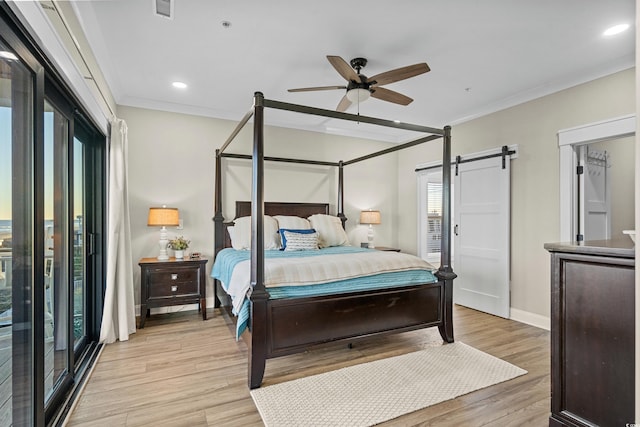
320 269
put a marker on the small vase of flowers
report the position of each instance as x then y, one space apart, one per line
179 244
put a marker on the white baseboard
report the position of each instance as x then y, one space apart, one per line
532 319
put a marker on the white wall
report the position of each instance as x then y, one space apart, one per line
172 162
535 174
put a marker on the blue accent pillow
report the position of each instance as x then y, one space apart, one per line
284 239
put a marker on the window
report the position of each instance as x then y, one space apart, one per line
434 217
430 215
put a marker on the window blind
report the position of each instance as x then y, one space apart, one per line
434 217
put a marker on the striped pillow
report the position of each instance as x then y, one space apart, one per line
330 231
300 241
284 237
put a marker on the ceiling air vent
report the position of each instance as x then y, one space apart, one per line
163 8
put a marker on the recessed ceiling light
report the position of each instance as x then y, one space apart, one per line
8 55
616 29
179 85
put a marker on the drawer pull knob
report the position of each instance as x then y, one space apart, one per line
174 276
174 288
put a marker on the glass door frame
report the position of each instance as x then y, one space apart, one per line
62 171
27 351
95 200
79 357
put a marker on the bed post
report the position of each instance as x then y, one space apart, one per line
341 215
445 272
259 295
218 221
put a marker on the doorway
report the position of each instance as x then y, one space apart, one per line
613 136
606 188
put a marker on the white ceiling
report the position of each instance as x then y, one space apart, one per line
484 55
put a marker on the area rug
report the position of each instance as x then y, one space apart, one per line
371 393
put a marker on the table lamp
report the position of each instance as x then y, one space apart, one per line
163 217
370 217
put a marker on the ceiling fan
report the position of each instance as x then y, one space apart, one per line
360 87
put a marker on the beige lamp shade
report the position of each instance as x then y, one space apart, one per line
370 217
163 217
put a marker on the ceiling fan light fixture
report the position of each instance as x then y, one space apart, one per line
358 95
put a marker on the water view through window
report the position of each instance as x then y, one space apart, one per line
16 237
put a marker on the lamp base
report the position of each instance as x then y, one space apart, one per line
164 241
370 237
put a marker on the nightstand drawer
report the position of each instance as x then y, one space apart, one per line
175 276
177 289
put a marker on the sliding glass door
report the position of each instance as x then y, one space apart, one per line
79 309
17 138
72 199
57 274
51 228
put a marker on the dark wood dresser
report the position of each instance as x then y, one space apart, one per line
592 333
172 282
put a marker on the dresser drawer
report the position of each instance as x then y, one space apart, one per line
175 289
176 275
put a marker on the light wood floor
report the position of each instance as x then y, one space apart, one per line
181 371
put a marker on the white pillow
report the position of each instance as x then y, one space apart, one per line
330 231
241 238
292 222
301 241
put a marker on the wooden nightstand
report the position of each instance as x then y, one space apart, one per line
384 248
172 282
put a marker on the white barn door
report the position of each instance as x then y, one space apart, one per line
481 235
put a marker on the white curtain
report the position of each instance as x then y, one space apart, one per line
119 316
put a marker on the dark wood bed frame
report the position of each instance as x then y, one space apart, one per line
286 326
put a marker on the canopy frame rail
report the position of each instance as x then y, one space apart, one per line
281 159
279 105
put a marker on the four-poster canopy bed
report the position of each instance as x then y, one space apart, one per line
280 326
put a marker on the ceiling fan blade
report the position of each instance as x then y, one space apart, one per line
344 104
390 95
399 74
308 89
343 68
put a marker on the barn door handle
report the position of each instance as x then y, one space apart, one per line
455 230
